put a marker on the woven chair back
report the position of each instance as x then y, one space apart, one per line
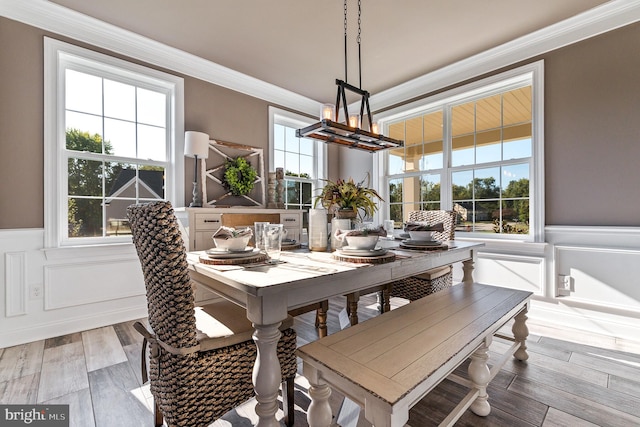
447 218
170 298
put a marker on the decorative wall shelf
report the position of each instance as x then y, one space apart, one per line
215 193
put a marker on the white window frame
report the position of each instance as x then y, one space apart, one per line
534 73
297 121
56 55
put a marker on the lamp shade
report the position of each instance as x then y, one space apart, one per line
196 144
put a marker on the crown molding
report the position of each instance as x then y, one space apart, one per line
69 23
66 22
601 19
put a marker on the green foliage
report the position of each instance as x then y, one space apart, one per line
239 176
348 195
87 178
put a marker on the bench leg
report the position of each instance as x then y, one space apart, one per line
352 307
480 377
520 333
319 412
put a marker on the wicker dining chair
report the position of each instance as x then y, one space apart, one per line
198 369
416 287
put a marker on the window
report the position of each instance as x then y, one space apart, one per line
112 132
476 150
302 159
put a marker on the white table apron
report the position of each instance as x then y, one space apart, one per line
269 292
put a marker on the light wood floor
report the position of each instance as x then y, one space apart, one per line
570 379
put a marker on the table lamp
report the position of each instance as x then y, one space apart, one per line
196 145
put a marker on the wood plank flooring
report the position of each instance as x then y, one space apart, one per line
570 379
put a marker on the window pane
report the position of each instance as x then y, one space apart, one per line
462 119
462 185
152 143
515 181
306 167
292 142
85 177
292 161
488 113
432 158
395 191
487 183
278 137
152 107
517 142
484 215
120 138
151 183
462 153
84 217
413 157
517 106
515 216
83 92
306 146
433 126
278 159
396 157
430 186
84 122
83 141
292 192
307 193
119 100
411 193
488 146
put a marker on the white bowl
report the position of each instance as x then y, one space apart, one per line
421 235
362 242
233 243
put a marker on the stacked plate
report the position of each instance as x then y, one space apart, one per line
419 244
377 251
219 253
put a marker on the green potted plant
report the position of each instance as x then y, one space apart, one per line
346 199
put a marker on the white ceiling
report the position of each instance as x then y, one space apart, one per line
299 44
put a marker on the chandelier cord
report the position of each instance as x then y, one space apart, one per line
359 52
346 78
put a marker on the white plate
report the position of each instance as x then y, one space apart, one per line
223 253
346 250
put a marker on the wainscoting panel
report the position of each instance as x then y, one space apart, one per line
513 271
70 285
601 276
15 264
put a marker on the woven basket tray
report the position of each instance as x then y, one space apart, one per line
381 259
205 259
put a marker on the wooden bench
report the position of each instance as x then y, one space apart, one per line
387 364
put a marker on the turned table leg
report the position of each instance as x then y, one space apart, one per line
352 307
520 333
480 377
267 375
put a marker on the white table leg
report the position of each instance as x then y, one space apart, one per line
267 375
520 333
480 377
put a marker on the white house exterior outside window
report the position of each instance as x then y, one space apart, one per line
113 137
477 150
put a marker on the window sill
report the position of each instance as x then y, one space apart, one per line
510 246
112 251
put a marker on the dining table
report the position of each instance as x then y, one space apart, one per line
270 291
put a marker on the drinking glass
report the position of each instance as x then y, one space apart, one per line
389 224
273 241
259 234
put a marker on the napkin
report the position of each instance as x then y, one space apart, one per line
423 226
231 233
380 231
